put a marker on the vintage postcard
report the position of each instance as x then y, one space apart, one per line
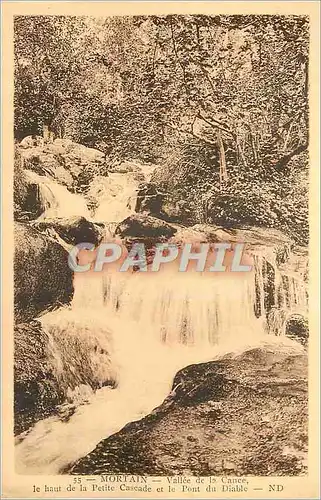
160 209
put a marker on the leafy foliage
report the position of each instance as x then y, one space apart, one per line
219 101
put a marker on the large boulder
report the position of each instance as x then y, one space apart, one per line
42 278
154 199
44 161
27 204
149 199
72 230
81 162
32 141
297 328
69 163
143 225
240 415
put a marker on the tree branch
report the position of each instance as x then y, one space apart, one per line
192 133
282 162
217 125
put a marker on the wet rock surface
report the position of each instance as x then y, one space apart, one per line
27 205
241 415
297 328
142 225
43 278
149 199
72 230
65 161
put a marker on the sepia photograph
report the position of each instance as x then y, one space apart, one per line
161 262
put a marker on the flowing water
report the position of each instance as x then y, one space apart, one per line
156 323
116 197
55 199
117 194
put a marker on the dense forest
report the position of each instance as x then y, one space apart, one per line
219 103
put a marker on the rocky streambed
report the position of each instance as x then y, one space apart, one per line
244 411
243 414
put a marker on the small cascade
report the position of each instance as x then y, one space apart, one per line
81 357
55 199
157 323
280 289
115 196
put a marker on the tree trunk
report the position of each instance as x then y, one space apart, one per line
223 169
45 133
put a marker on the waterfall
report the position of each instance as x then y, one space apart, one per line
280 289
159 323
176 308
55 199
116 196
